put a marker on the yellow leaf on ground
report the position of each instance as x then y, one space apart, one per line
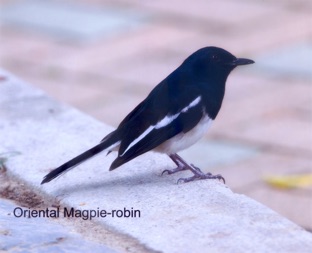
290 181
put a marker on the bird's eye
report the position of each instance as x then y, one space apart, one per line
214 57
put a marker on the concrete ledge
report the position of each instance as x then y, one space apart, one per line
203 216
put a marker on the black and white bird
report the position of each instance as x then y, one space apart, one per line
175 115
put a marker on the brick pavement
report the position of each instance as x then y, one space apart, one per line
107 76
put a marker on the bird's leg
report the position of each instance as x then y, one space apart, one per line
183 165
180 165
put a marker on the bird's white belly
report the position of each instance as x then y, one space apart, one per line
185 140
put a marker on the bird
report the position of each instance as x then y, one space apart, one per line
174 115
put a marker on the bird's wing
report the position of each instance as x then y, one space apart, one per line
157 119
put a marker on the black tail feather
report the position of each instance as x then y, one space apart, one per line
78 159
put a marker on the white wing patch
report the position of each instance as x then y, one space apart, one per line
166 121
162 123
192 104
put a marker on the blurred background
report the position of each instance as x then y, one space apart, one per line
103 57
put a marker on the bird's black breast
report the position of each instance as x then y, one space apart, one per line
212 100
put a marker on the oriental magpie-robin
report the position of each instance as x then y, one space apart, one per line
175 115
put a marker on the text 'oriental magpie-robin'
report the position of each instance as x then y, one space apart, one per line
174 116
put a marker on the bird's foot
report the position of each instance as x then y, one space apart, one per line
180 165
177 169
198 174
199 177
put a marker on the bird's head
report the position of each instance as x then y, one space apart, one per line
214 61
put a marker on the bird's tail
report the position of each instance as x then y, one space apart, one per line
107 142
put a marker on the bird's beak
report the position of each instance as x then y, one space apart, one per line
242 61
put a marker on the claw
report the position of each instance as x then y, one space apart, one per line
177 169
180 180
165 171
219 177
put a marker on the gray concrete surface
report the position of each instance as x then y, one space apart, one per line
202 216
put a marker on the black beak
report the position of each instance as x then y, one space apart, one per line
242 61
